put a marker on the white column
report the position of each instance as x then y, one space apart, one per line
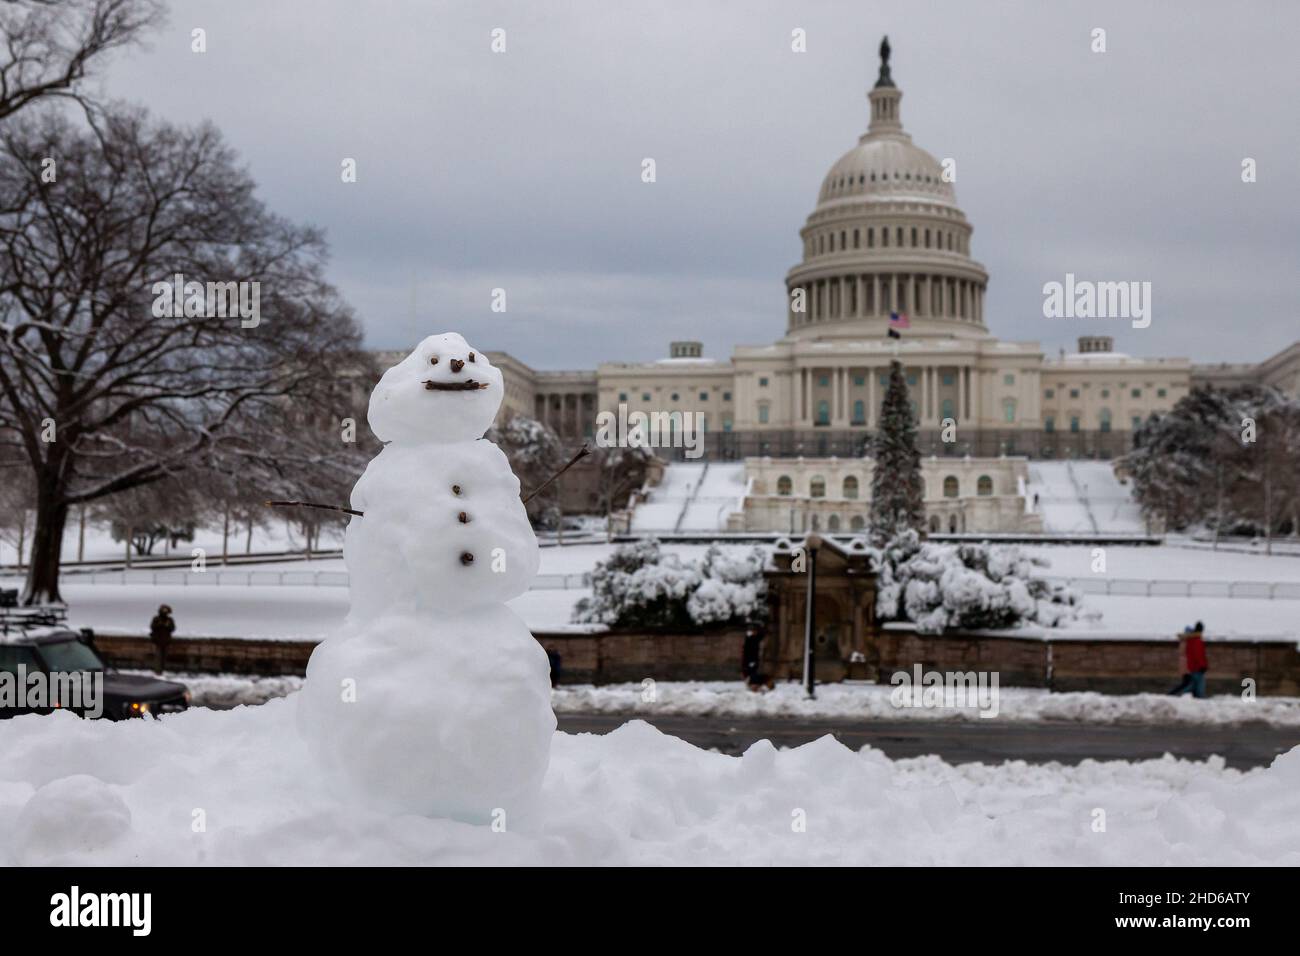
872 372
964 394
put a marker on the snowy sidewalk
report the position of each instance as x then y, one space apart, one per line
854 701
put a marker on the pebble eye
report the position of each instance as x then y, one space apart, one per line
433 360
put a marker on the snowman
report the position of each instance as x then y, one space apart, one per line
434 698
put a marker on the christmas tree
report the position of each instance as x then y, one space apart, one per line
897 492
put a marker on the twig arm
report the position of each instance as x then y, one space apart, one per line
312 504
583 452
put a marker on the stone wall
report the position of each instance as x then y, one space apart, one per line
1104 665
1108 666
607 657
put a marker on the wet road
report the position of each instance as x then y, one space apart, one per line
966 741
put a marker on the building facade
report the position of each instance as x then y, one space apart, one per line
887 235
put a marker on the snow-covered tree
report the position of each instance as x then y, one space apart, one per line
1226 458
535 454
940 586
732 587
641 586
897 491
101 390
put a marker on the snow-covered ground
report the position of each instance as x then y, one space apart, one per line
859 701
97 793
296 612
276 536
849 701
1083 497
693 496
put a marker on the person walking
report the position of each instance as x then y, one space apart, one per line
1191 644
750 660
161 629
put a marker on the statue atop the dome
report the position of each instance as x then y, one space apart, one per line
884 79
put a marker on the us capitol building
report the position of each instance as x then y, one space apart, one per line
886 235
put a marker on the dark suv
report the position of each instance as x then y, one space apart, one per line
60 651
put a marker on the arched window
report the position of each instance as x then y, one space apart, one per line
951 487
833 523
817 487
934 524
952 524
1105 419
850 487
857 523
984 486
816 523
784 486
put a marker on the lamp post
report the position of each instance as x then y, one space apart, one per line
810 617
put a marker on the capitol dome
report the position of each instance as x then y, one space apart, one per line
887 165
886 236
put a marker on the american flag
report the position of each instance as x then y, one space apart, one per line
898 320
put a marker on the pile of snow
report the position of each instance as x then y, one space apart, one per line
96 793
223 691
854 701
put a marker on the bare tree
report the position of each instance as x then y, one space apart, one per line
50 45
106 383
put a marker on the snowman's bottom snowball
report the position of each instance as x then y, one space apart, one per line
241 788
446 716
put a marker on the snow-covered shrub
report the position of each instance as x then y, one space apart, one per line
938 586
641 586
732 587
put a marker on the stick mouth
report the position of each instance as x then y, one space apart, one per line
469 385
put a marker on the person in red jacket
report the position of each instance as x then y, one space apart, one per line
1192 645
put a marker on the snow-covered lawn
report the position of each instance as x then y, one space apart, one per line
858 701
275 536
93 793
306 613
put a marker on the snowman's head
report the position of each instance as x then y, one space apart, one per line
444 391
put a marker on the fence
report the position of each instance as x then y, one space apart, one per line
1137 587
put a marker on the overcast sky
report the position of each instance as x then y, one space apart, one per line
522 170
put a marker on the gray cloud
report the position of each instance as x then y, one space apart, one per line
522 170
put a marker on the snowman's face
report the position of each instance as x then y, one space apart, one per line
444 391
